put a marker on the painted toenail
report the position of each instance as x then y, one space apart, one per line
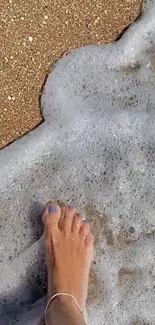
52 209
84 220
70 207
78 214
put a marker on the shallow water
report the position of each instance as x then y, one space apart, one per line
96 150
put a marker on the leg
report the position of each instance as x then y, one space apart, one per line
69 251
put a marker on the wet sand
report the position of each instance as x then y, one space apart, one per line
36 33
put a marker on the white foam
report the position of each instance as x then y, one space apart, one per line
95 149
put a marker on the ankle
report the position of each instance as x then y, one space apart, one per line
62 305
65 301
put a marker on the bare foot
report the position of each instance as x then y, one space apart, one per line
69 251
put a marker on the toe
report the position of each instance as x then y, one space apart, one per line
85 230
51 217
77 223
68 219
89 241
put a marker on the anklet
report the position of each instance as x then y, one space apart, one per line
61 294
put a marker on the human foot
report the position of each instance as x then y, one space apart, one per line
69 251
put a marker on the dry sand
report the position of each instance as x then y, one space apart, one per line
35 33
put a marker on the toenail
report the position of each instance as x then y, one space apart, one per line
70 207
84 220
78 214
52 209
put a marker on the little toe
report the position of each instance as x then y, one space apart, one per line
85 230
77 223
89 241
68 218
51 217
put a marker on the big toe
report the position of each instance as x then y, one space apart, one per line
51 217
